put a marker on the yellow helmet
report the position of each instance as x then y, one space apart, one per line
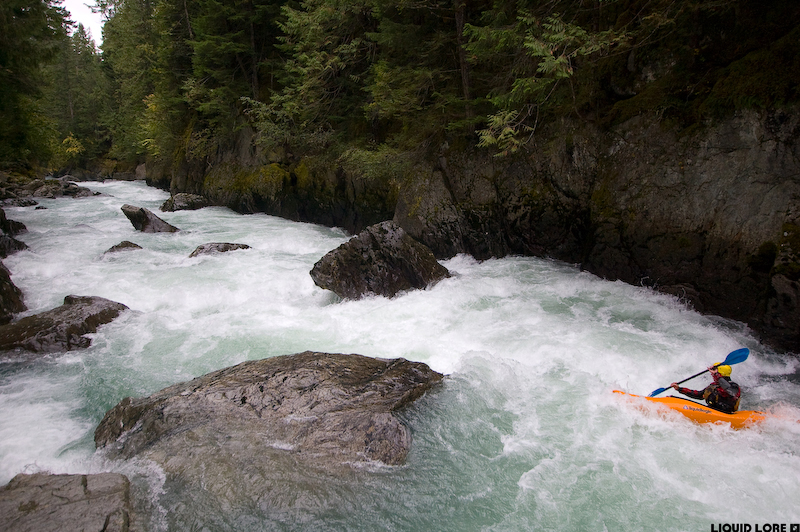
724 370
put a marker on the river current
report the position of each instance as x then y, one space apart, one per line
524 434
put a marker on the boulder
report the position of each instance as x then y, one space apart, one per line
59 329
19 202
217 247
56 188
145 221
184 202
43 502
124 176
329 408
123 246
8 230
11 227
382 260
10 296
10 245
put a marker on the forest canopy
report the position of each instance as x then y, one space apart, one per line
179 81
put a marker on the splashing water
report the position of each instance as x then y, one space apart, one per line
525 433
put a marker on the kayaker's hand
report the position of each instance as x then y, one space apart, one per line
674 385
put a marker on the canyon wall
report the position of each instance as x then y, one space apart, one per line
709 215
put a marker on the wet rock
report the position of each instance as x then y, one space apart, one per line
20 202
184 202
382 260
145 221
11 227
56 188
124 176
10 296
330 407
217 247
125 245
43 502
60 329
10 245
8 230
281 434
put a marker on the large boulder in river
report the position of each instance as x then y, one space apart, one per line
329 408
184 201
60 329
381 260
145 221
278 436
43 503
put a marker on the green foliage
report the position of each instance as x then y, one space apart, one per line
504 131
328 57
30 32
76 97
361 82
546 51
764 78
130 54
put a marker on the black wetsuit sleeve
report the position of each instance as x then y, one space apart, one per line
694 394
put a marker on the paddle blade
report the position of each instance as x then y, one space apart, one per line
736 357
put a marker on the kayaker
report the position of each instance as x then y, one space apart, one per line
723 394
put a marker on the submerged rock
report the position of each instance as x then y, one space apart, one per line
217 247
382 260
184 202
60 329
145 221
123 246
331 407
43 502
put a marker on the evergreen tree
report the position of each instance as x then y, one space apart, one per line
30 32
76 98
328 58
129 56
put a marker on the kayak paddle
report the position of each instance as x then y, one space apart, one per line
734 357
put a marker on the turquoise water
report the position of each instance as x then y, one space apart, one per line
525 433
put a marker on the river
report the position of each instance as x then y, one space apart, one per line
524 434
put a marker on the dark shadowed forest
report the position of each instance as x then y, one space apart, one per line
175 81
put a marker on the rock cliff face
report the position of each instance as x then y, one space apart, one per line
710 216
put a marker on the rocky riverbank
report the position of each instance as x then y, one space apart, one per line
710 215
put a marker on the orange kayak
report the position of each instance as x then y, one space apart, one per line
701 413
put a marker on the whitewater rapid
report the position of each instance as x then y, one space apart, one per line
525 434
